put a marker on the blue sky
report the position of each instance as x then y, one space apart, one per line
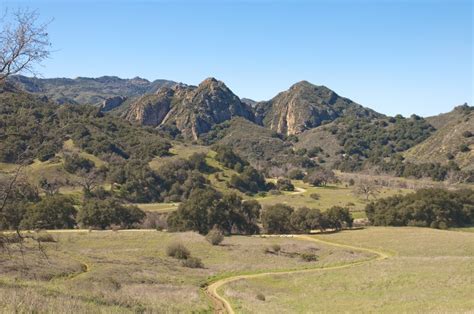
393 56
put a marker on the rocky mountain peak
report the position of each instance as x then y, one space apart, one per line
304 106
193 110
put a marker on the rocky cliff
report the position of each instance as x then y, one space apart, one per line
192 110
306 106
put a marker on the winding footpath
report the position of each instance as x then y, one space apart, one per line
221 305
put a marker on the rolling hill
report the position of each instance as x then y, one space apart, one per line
452 141
305 126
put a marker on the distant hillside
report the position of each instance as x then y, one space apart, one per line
260 146
34 128
305 106
321 138
457 114
191 110
85 90
453 140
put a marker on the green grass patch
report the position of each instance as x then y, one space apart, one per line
428 271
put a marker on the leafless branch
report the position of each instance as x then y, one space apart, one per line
24 42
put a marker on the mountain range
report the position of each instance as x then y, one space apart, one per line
301 118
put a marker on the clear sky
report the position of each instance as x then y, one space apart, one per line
393 56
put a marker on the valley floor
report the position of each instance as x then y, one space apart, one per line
124 271
427 271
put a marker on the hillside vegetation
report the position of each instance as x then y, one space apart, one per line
32 127
453 140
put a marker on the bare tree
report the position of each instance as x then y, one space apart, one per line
90 180
320 177
50 187
24 42
366 189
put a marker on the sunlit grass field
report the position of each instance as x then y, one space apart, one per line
129 271
158 207
331 195
428 271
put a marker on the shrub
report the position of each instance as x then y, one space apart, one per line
226 156
260 297
45 237
73 163
295 174
276 248
284 184
250 180
215 236
320 177
192 262
467 134
309 257
464 148
178 250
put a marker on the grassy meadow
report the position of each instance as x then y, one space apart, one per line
331 195
129 271
427 270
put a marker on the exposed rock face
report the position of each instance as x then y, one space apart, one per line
193 110
249 102
112 103
151 109
305 106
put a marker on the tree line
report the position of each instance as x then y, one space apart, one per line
208 209
435 208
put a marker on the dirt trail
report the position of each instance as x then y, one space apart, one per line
298 190
221 305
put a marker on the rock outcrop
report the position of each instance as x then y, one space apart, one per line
306 106
192 110
112 103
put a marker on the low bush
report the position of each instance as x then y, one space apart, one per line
215 236
192 262
309 257
178 250
464 148
260 297
295 174
45 237
284 184
276 248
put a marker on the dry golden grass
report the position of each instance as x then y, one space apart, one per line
129 271
428 271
